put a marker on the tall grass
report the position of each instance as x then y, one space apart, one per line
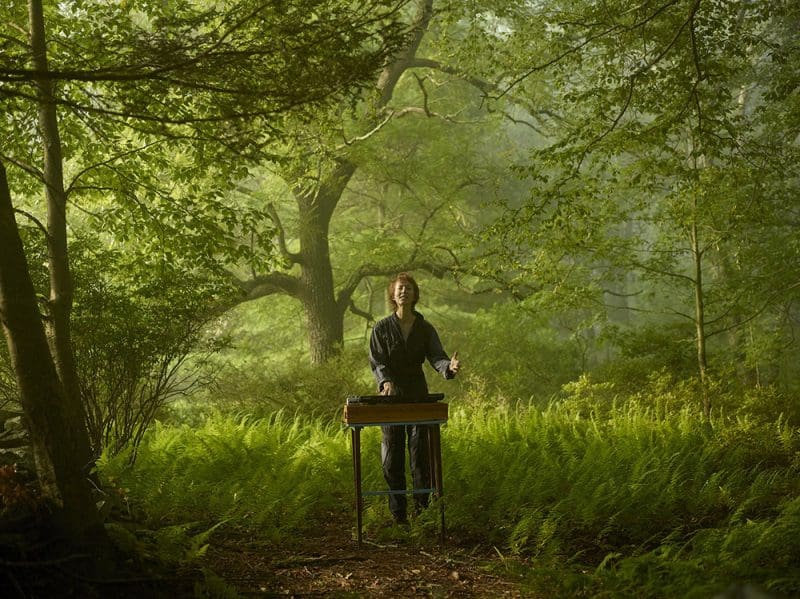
638 500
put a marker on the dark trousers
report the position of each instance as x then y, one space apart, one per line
393 456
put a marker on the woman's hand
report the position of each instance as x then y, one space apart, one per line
454 363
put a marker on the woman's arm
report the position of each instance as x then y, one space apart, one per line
438 358
378 361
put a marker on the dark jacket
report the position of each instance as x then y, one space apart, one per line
400 361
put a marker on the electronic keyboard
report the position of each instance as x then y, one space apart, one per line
355 400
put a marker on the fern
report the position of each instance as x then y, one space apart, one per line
679 505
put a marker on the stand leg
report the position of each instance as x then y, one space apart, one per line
356 444
432 460
436 452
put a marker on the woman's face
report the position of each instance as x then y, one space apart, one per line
404 294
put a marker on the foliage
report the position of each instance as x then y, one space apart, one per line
514 352
653 207
208 71
15 492
397 181
259 386
163 107
81 79
645 349
138 336
138 333
8 384
630 492
636 498
661 176
280 473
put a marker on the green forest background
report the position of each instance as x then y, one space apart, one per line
203 202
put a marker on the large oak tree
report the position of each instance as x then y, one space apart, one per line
359 159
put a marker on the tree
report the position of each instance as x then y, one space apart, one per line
656 168
361 154
58 441
84 75
139 336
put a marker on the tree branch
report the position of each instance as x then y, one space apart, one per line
264 285
36 221
289 257
359 312
392 73
660 56
698 68
590 39
368 134
663 273
28 168
424 110
555 60
243 115
765 304
72 186
485 87
25 35
418 239
421 85
614 123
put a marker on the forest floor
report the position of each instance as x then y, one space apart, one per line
328 563
392 562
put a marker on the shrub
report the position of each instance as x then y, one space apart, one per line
137 332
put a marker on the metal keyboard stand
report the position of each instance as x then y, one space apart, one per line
361 415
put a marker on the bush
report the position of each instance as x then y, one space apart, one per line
137 332
640 352
636 501
274 475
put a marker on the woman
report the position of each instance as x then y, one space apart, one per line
399 345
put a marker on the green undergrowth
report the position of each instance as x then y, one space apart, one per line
637 502
633 503
271 475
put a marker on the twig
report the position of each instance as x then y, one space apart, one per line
373 543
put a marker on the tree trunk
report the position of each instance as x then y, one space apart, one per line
60 304
324 321
58 440
324 316
699 163
699 319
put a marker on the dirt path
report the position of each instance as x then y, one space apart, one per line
327 563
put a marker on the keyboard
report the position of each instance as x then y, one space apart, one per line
355 400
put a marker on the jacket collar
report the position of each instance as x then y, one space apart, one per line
418 315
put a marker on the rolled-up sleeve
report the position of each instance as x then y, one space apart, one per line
437 356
